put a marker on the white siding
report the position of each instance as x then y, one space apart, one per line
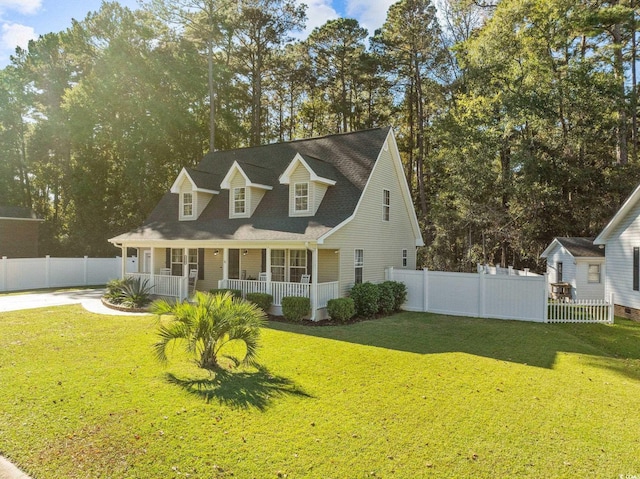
585 289
619 254
561 255
328 265
382 241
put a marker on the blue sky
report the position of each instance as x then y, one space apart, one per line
22 20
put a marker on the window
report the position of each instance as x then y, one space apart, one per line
559 273
594 273
386 205
405 258
176 261
358 263
297 264
192 260
301 196
636 267
239 201
277 264
187 204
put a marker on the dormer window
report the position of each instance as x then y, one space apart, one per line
301 198
239 201
187 205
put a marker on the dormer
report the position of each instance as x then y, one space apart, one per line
308 179
195 190
244 194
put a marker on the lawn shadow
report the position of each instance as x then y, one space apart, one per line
534 344
241 389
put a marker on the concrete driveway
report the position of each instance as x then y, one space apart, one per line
89 298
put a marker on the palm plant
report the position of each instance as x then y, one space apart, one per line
207 324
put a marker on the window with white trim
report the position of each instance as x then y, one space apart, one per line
297 264
594 273
358 265
386 205
405 257
187 204
301 197
177 258
239 200
278 264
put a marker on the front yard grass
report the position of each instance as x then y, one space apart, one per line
409 396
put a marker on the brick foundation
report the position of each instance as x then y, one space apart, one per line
626 312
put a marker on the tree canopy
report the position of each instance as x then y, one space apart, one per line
516 120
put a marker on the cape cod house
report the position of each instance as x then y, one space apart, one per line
621 237
301 218
575 268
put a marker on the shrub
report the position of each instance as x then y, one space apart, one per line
386 298
263 300
365 297
341 309
114 290
399 293
294 308
136 293
236 293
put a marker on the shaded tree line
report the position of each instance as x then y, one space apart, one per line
516 120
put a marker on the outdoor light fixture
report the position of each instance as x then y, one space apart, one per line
215 252
245 252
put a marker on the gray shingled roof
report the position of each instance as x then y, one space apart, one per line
204 179
346 158
581 247
17 212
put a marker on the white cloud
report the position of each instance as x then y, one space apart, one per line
15 35
318 13
25 7
371 14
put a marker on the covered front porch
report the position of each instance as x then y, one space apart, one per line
280 271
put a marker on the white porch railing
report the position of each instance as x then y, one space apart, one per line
165 285
279 290
581 311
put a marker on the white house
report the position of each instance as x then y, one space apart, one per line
301 218
621 236
576 265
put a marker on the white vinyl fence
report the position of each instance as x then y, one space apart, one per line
497 296
18 274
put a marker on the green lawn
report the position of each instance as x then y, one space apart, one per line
410 396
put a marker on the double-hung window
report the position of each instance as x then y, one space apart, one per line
405 258
386 205
358 264
278 265
239 201
187 204
594 273
297 264
177 258
301 197
559 272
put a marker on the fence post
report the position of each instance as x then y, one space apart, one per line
545 300
482 296
47 271
611 308
4 274
86 270
425 286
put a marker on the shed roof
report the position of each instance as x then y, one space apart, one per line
578 247
17 212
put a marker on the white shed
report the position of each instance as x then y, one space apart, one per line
578 264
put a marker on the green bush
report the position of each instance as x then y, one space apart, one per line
263 300
365 297
236 293
114 292
386 298
136 293
341 309
399 293
294 308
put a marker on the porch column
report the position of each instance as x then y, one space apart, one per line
123 252
267 267
314 283
152 260
225 265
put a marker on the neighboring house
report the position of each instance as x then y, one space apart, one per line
578 265
19 232
621 236
308 217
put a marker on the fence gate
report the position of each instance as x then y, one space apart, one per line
580 311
